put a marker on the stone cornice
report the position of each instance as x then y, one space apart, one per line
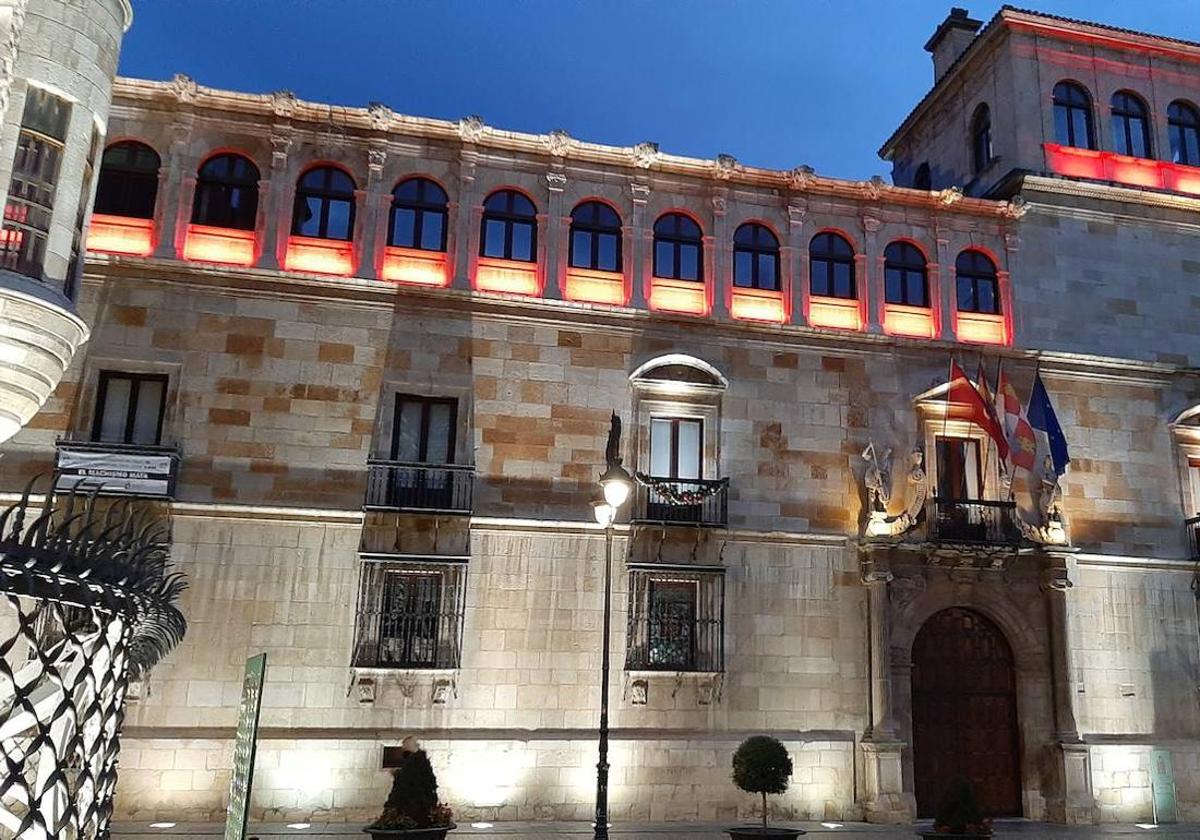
1031 185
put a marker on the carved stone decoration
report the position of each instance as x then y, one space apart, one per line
719 204
950 195
376 158
559 142
878 477
471 128
802 176
916 492
640 193
1056 579
1049 528
708 690
645 154
1015 208
874 187
380 115
556 181
280 145
184 87
724 166
364 690
871 224
283 103
443 689
639 692
8 49
135 691
796 214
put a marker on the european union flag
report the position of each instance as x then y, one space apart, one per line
1042 419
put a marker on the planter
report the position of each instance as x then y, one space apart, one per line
757 832
437 833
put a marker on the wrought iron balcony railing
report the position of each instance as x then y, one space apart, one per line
117 469
669 500
439 488
410 614
973 521
1192 527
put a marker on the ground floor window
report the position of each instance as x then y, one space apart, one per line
676 619
409 614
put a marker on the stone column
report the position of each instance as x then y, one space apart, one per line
466 221
367 220
871 286
275 204
556 254
176 190
797 250
942 295
637 238
716 257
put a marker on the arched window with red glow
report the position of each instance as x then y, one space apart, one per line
678 248
831 266
128 183
905 275
509 227
977 286
595 237
1183 125
418 219
755 257
1073 116
1130 125
324 204
226 193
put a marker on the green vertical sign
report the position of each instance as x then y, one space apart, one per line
244 746
1162 786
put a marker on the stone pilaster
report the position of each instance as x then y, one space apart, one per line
638 260
467 219
274 204
942 297
797 261
176 192
869 279
716 255
369 223
556 226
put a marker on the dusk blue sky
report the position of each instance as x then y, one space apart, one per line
773 82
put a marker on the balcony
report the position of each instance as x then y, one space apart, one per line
415 266
117 469
432 488
319 256
835 313
668 501
687 297
758 305
982 328
409 614
514 277
590 286
226 246
121 235
1192 529
1122 169
974 522
909 321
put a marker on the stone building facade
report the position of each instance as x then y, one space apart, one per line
375 408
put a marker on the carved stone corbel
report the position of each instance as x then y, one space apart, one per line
645 154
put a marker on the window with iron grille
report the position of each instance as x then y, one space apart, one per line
34 182
410 614
676 619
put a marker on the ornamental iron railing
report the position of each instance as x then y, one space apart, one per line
676 620
677 501
410 614
439 488
974 521
91 606
1192 527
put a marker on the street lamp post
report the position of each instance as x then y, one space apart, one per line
616 485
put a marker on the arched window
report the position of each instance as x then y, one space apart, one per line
678 248
128 180
906 281
1130 126
1073 116
922 180
226 193
595 237
981 138
978 289
831 266
418 217
755 257
1183 124
509 227
324 204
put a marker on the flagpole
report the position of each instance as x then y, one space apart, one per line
945 423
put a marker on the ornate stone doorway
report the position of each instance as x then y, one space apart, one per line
964 709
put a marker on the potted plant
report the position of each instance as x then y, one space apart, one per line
958 815
412 810
762 765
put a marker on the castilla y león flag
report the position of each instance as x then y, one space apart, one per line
1022 445
964 402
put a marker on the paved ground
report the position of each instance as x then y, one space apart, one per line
660 831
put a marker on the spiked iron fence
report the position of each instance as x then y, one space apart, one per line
92 605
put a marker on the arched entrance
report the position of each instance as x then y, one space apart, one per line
964 708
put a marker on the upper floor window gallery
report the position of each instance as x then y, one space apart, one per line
1183 124
978 288
595 237
128 180
324 204
226 193
419 212
906 280
755 257
1130 125
678 248
981 138
1073 116
509 228
831 266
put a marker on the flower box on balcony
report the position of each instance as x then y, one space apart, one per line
415 266
513 277
319 256
838 313
228 246
590 286
689 297
758 305
121 235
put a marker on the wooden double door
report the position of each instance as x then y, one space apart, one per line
964 707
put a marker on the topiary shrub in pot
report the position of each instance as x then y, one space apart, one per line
412 810
762 765
958 815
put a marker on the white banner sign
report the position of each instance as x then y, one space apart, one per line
126 472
